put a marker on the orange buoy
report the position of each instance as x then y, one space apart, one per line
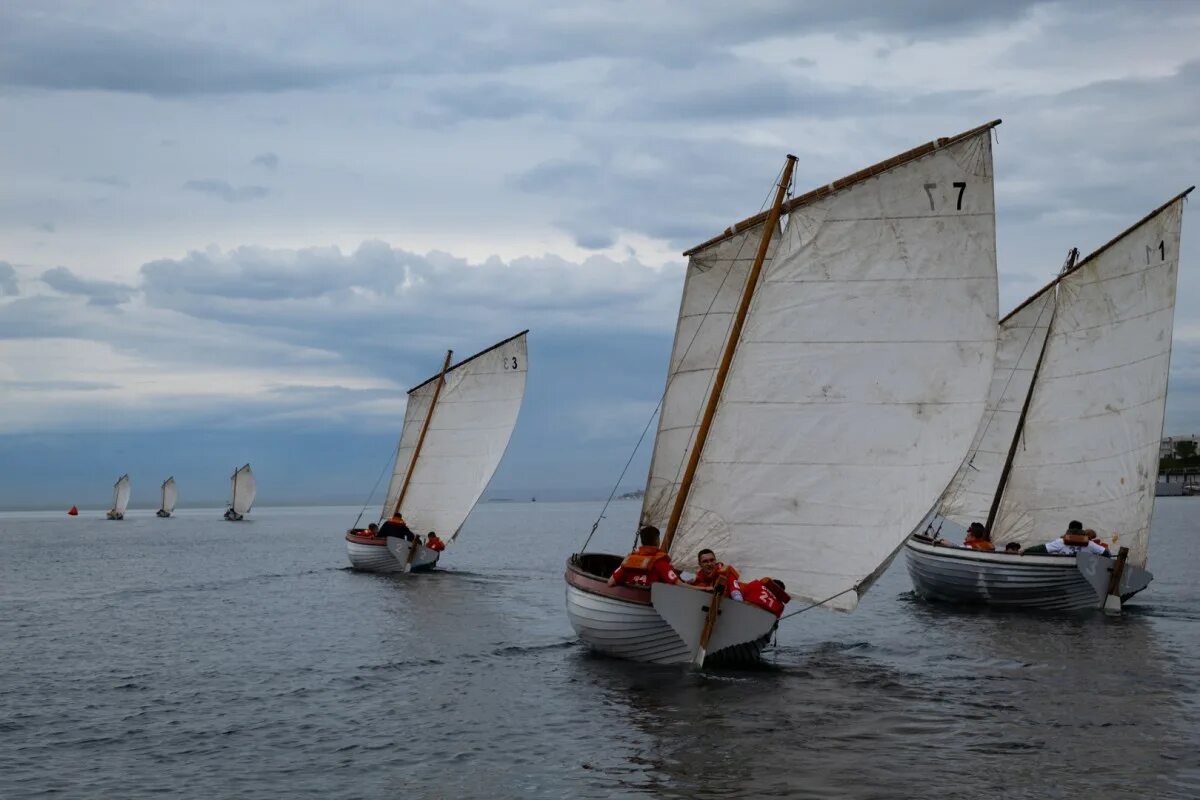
74 512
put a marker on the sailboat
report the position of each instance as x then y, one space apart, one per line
170 495
242 494
456 429
1072 431
121 490
824 385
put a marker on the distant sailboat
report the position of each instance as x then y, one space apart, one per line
170 495
456 429
73 512
121 490
1072 431
811 413
242 494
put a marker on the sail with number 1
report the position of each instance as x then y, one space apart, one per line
1075 436
456 428
121 491
825 384
242 491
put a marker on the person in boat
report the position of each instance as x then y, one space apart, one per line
978 537
645 565
433 542
766 593
1070 543
369 531
1013 548
710 570
396 526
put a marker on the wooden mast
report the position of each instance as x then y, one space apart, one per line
735 333
1016 440
412 463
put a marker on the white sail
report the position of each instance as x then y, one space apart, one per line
121 491
170 495
1089 448
244 490
860 377
467 436
968 498
712 289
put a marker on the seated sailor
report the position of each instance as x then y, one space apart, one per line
766 593
1013 548
1069 543
645 565
434 543
396 526
711 569
978 537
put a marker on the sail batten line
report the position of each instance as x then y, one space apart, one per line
1061 376
468 360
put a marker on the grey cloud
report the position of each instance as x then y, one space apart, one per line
495 101
268 160
99 293
112 181
59 386
47 226
226 191
87 56
8 280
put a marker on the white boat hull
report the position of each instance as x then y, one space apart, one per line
378 558
620 622
955 575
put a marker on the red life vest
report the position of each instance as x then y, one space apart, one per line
435 544
707 582
765 593
644 566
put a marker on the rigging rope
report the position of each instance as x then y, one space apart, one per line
392 460
823 602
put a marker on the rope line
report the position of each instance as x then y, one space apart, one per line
392 460
823 602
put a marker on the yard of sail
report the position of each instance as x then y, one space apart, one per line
859 381
170 495
121 491
466 438
244 490
968 498
1089 448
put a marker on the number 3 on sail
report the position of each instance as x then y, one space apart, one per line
852 349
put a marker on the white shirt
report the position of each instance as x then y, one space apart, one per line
1059 547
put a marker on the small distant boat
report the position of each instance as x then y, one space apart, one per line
456 429
825 383
1072 431
121 490
73 512
170 495
242 494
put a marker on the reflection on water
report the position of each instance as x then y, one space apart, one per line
202 659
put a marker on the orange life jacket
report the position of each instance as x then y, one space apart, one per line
1075 539
435 544
765 593
707 582
643 558
978 544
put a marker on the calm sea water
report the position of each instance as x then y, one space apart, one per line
197 658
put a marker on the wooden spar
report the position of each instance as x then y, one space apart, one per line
735 333
1016 440
412 462
1114 576
710 622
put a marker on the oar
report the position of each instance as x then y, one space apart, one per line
710 622
412 552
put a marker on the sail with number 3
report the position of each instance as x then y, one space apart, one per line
456 428
812 415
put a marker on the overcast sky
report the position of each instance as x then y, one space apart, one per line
238 231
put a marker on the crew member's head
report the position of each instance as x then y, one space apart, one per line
708 561
648 535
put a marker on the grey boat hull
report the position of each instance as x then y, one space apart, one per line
1048 582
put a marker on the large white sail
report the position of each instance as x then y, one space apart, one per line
1089 446
244 490
860 377
467 436
170 495
968 498
712 289
121 491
